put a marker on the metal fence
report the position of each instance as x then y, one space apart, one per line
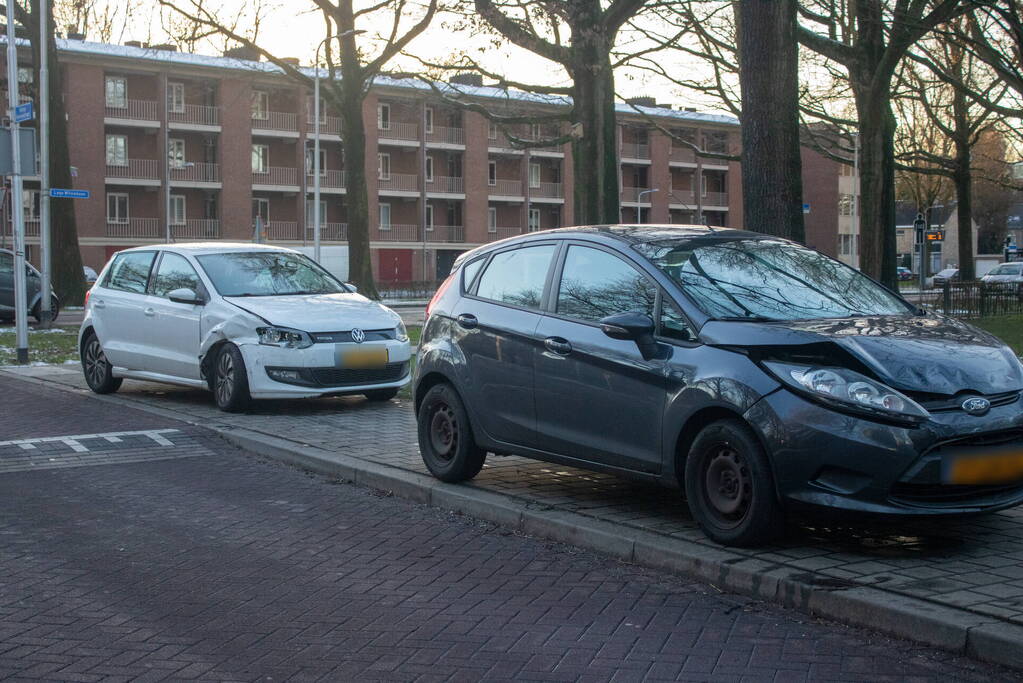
407 291
972 300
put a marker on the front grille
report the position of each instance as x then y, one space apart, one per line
346 337
936 403
952 495
337 377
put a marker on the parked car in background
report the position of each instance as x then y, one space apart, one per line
1006 273
756 374
33 285
246 321
90 275
943 276
904 273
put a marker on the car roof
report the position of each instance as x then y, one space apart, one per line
196 248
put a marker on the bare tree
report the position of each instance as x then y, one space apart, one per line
352 62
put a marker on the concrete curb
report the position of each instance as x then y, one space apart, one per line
906 617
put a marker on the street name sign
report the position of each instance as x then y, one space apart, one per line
59 193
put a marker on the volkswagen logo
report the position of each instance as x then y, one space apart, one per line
358 336
975 405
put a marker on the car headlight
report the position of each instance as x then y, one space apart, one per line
845 389
284 337
400 333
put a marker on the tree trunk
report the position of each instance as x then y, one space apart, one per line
594 152
353 140
877 184
769 80
66 259
962 177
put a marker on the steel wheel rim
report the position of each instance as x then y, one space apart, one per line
95 363
728 485
444 432
225 377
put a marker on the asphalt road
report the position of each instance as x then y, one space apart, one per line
133 547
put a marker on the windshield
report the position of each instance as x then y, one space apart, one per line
1005 270
764 279
267 273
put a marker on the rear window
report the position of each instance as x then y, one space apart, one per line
470 270
517 277
130 272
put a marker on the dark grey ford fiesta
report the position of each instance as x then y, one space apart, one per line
756 374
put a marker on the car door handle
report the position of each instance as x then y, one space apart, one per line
558 345
98 303
150 311
467 321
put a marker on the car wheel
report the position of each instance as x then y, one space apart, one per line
230 380
96 368
729 486
445 436
381 394
54 310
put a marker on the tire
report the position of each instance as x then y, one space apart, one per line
445 436
730 488
54 310
230 380
96 368
381 394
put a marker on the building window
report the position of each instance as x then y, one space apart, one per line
26 75
429 119
534 131
261 209
311 113
117 92
30 201
534 175
260 105
492 173
845 204
383 166
384 116
491 130
492 219
555 218
429 169
210 207
260 159
117 207
429 217
310 158
177 209
176 152
385 216
310 206
176 98
534 220
117 150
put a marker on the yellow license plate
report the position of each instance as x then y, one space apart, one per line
360 358
996 468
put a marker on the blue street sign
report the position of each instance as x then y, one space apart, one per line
806 208
23 112
68 194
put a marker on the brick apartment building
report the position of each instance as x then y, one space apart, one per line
234 140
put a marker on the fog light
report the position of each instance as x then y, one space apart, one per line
285 375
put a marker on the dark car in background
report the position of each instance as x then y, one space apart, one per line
756 374
33 282
904 273
948 275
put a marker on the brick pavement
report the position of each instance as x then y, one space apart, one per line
229 568
973 565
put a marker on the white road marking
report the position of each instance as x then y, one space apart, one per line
74 441
27 446
75 446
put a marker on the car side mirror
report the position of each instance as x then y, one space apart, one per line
638 327
184 295
352 287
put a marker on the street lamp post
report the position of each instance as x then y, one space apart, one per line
639 204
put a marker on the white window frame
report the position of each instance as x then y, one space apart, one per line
491 130
175 97
429 119
118 218
492 219
703 184
492 173
30 202
310 157
533 226
174 145
429 218
383 166
119 100
26 75
260 105
383 119
124 147
534 131
384 207
311 113
263 156
429 169
310 204
178 216
258 203
534 168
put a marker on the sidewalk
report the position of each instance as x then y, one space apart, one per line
954 585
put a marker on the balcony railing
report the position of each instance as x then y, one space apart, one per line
140 169
399 131
196 172
31 227
197 229
394 232
631 194
445 233
329 125
276 175
281 230
198 114
635 150
682 154
144 110
405 182
333 232
135 227
499 233
685 197
715 199
275 120
455 136
553 190
506 188
328 179
446 184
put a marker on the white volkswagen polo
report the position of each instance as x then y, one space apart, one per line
247 321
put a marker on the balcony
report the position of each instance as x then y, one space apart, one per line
135 169
499 233
547 190
278 176
715 199
275 121
631 194
505 188
133 110
400 182
31 227
635 150
446 185
281 230
394 232
445 134
136 227
330 180
684 197
329 125
399 131
330 232
197 229
445 233
196 115
684 155
193 172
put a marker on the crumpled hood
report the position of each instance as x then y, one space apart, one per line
319 312
926 353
